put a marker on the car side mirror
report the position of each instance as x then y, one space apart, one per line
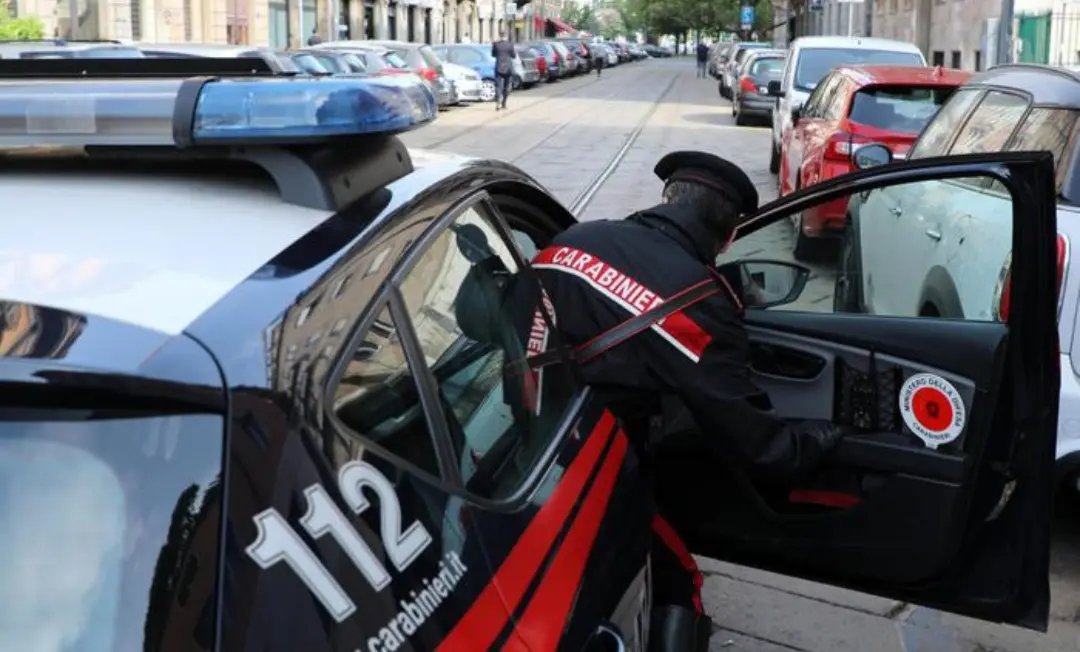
766 283
871 156
774 89
796 113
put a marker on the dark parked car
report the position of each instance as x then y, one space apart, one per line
553 61
750 96
274 59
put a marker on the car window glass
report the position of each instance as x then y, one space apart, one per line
377 396
1052 130
475 320
815 104
466 55
892 252
815 63
429 57
767 67
837 100
935 138
905 109
991 124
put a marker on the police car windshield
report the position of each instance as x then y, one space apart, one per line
815 63
105 518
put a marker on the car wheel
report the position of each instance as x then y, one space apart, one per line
847 292
515 83
807 249
723 90
774 159
740 118
487 90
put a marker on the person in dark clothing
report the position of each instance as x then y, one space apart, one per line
314 39
503 51
702 59
595 276
598 274
599 53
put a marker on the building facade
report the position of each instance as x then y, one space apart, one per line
283 23
953 33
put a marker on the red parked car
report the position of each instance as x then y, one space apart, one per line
853 106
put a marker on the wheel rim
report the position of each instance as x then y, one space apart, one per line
487 90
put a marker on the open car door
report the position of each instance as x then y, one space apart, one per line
945 498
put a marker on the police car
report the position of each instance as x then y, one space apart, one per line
242 413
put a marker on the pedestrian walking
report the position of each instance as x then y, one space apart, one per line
503 51
599 58
314 38
702 59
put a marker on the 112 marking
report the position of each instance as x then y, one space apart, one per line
276 541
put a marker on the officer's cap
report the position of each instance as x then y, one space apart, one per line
709 170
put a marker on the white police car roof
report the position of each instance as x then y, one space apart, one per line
152 251
158 250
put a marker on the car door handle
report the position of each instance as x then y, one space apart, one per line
896 211
934 235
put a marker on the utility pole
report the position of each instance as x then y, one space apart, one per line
1004 35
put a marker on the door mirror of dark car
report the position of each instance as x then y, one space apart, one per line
765 283
796 113
871 156
774 88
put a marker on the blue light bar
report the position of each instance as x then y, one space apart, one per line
140 112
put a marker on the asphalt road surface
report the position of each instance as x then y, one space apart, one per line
573 133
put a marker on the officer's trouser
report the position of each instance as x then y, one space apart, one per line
676 578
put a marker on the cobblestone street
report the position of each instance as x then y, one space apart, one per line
566 134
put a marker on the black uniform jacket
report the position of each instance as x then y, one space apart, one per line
598 274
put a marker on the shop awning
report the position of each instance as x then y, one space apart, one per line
562 26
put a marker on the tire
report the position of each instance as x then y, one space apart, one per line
774 160
723 90
848 290
807 250
487 90
515 83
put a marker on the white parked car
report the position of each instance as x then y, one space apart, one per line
469 85
812 57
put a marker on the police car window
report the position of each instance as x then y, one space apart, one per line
991 124
474 316
377 396
109 521
935 138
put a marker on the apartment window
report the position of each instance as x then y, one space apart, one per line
236 21
978 60
188 21
136 20
956 59
939 58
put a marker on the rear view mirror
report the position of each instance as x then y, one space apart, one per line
774 89
765 283
871 156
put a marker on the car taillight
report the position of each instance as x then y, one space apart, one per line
842 145
747 85
429 74
1003 291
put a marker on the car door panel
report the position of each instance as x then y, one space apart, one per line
954 516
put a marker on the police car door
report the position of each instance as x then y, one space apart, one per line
944 499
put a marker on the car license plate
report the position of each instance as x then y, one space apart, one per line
763 89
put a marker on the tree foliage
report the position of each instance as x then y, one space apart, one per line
710 18
17 29
580 16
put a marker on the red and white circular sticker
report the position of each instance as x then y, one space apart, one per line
932 409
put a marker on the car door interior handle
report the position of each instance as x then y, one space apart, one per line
783 362
933 234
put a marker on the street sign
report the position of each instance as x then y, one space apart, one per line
746 17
